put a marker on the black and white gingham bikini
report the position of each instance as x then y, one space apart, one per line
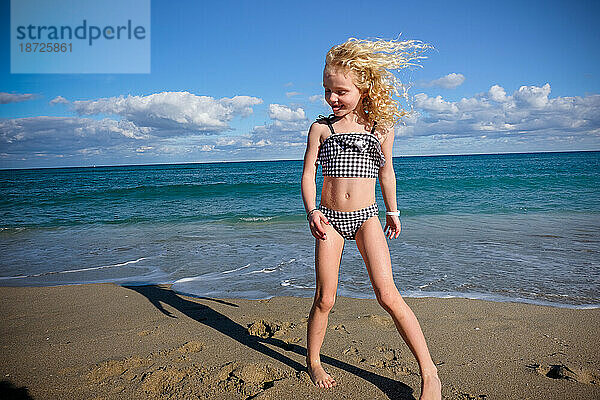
350 155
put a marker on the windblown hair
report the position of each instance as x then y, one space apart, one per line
370 62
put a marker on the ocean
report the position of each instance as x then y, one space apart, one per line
502 227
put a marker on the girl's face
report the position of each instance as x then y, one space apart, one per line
340 92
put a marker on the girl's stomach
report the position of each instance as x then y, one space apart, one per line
348 194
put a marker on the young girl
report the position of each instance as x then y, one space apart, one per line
354 147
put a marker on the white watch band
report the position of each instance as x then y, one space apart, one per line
392 213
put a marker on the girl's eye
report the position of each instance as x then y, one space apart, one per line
340 93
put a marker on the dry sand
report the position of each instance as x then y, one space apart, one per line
103 341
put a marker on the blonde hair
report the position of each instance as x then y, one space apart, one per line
370 62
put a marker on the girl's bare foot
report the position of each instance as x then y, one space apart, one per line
319 376
431 387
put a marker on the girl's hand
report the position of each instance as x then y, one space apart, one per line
392 226
316 221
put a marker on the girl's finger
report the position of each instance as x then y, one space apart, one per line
318 226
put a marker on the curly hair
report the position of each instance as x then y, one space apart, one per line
370 62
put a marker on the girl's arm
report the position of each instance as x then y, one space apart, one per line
309 171
387 181
309 186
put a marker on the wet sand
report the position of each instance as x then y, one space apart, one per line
103 341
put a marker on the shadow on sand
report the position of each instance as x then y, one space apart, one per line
158 296
8 391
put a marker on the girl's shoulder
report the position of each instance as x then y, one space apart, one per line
322 126
322 122
318 130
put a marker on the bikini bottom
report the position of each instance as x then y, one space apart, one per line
347 223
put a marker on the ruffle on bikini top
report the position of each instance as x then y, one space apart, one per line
351 155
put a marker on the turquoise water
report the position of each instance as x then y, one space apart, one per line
516 227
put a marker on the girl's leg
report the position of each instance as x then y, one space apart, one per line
372 244
328 254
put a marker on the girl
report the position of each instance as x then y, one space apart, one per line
354 147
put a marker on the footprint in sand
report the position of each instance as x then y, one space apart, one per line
353 353
130 366
114 368
561 371
193 346
267 329
390 359
380 320
341 328
460 395
249 379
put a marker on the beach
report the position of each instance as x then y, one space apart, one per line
96 265
510 227
105 341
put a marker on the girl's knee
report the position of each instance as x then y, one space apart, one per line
324 302
389 298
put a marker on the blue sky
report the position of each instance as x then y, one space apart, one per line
235 80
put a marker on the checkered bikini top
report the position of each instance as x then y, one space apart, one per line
350 155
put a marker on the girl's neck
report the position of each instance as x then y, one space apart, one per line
352 119
356 117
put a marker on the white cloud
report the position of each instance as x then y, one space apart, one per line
292 94
175 127
59 135
498 94
450 81
143 149
258 143
528 112
241 105
532 96
6 98
87 138
58 100
72 137
285 113
288 128
172 113
435 104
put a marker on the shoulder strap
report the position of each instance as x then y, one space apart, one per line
326 119
373 129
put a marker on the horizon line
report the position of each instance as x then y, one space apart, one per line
285 159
